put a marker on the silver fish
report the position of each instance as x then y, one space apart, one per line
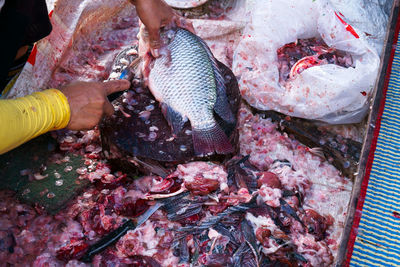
189 85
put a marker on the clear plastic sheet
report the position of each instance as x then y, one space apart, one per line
328 92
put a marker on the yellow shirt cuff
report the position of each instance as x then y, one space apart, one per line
24 118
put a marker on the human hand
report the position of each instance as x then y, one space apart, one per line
88 102
156 14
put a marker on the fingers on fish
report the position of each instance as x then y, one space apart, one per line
208 141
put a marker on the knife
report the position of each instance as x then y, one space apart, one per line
115 235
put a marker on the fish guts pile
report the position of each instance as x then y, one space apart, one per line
279 205
274 204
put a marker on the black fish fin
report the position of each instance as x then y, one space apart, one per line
153 167
221 106
173 117
211 140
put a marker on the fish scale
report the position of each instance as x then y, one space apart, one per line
186 83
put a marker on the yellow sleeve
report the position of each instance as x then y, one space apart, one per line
24 118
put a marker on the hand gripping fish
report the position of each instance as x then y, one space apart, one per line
189 85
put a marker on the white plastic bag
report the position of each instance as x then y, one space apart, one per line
329 92
369 16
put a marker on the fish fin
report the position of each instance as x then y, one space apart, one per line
211 140
153 167
174 118
317 151
222 108
222 105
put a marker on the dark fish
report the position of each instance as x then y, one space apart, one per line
343 153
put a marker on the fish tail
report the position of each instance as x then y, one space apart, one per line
208 141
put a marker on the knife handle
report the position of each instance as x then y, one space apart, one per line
108 240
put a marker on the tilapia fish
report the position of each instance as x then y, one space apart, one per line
189 85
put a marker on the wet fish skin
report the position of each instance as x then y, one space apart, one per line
188 84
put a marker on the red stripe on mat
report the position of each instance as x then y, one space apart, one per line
364 186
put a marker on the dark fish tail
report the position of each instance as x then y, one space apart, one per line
208 141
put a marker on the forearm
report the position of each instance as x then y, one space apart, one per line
27 117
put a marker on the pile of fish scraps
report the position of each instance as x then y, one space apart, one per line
280 205
273 202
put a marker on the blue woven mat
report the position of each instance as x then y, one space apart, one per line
378 238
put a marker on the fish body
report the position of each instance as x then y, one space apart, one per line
189 85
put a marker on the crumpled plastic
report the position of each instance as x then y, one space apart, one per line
369 16
72 20
328 93
256 28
